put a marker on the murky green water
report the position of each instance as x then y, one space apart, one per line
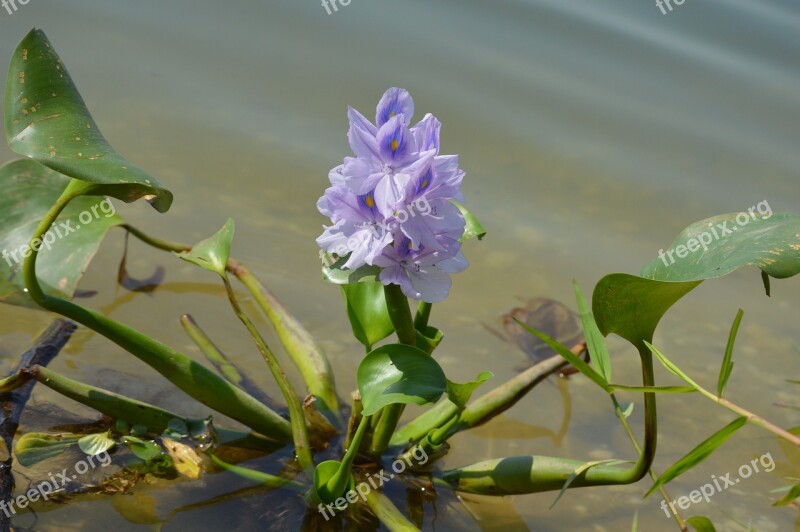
592 133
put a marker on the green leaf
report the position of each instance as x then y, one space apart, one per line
473 228
698 454
727 362
595 341
34 447
771 245
793 494
701 524
366 309
47 120
671 367
143 449
333 272
459 394
323 473
212 254
29 190
94 444
632 306
571 357
253 475
398 373
430 340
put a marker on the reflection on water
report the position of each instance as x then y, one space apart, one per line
591 133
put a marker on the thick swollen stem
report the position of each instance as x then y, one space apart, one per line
191 377
533 474
296 414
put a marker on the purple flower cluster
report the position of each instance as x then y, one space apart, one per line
390 204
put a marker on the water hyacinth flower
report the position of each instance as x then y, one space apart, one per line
390 205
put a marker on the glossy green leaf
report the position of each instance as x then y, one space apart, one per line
698 454
571 357
399 373
632 306
366 309
213 253
595 341
94 444
771 245
29 190
460 394
701 524
727 361
34 447
47 120
473 228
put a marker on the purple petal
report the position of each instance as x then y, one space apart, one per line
395 102
426 132
395 142
363 143
361 121
360 175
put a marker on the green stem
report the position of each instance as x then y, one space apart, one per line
338 482
423 316
188 375
300 345
533 474
755 419
662 490
299 429
400 314
388 513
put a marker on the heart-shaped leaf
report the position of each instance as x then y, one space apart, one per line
34 447
29 190
399 373
94 444
47 120
632 306
366 309
212 254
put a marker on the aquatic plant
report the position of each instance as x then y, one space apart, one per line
398 224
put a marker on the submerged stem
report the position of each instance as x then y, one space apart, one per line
188 375
298 420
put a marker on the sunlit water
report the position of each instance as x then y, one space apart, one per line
591 132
